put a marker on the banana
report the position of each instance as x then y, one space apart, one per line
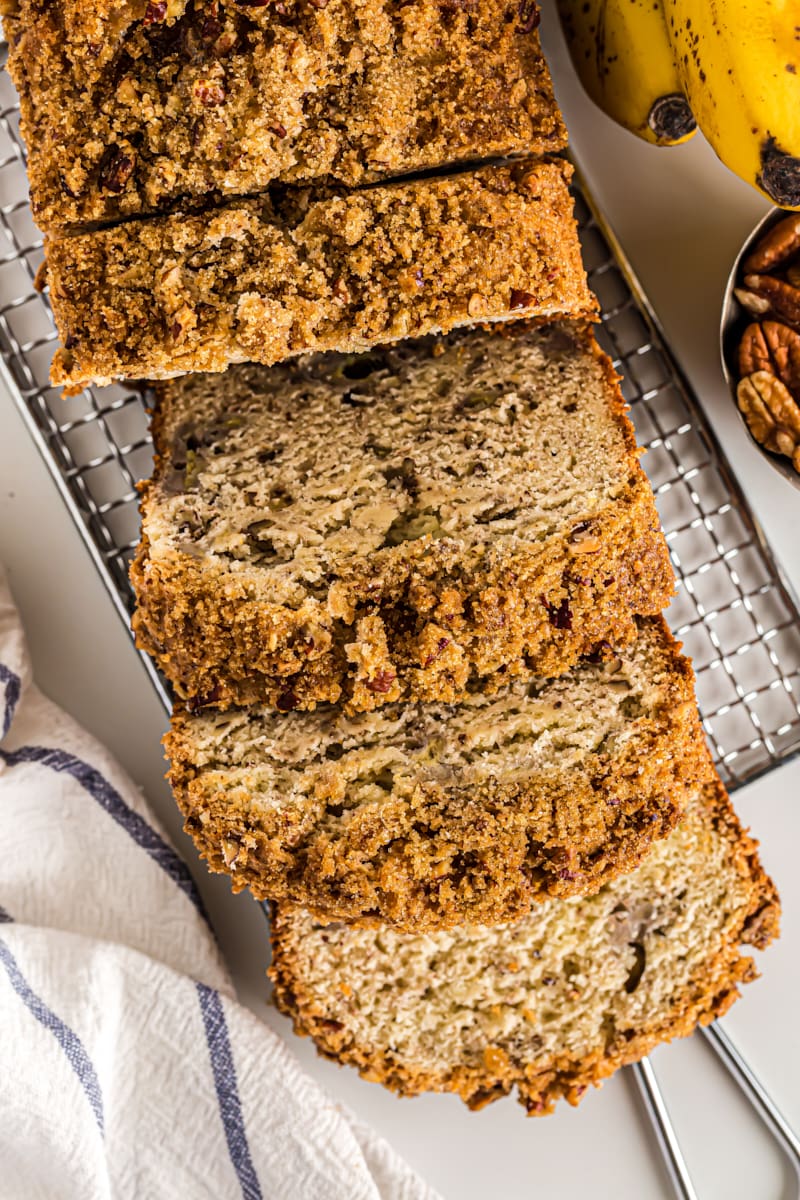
623 57
739 63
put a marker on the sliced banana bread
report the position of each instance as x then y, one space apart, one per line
132 108
549 1005
424 815
265 279
395 525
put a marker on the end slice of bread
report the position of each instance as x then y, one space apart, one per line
399 525
426 815
553 1003
129 109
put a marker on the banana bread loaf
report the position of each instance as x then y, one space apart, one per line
395 525
265 279
426 815
136 108
549 1005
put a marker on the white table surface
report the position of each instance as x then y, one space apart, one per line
681 217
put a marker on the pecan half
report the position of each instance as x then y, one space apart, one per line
774 347
780 243
784 348
783 298
772 414
754 352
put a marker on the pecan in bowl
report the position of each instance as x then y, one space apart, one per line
760 339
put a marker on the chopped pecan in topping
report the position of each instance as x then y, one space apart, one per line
116 169
209 93
559 615
155 12
520 299
441 646
529 15
382 682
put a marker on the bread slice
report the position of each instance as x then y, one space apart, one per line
129 109
551 1004
265 279
399 525
425 815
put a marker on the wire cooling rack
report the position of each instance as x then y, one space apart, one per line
733 612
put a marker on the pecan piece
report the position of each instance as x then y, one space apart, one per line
753 351
783 344
155 12
116 169
583 540
772 414
209 93
559 615
382 682
780 243
783 298
521 299
529 15
759 306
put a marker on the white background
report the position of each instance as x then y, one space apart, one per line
681 218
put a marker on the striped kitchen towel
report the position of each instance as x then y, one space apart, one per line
127 1068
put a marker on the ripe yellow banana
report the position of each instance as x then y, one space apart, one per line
739 63
623 57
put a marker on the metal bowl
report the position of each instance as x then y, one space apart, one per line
733 323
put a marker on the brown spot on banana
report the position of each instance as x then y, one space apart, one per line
780 174
671 118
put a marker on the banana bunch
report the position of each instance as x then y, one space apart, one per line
624 59
661 68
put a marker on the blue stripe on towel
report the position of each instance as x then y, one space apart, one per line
230 1108
68 1040
110 800
13 687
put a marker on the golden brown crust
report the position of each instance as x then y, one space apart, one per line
539 608
540 1085
437 854
266 279
129 109
219 646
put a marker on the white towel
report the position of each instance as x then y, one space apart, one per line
127 1068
